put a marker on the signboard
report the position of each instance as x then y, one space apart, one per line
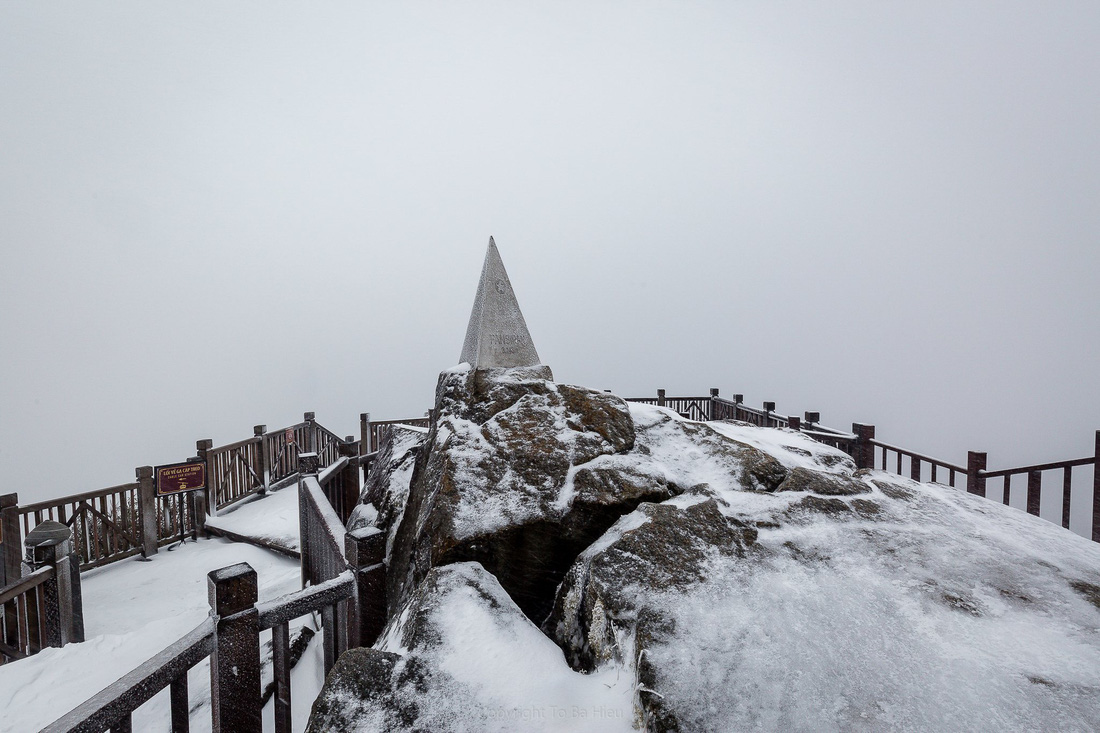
175 478
290 436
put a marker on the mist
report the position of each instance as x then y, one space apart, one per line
214 216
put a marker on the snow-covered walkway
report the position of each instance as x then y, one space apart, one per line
132 610
268 521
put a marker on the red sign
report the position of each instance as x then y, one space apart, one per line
290 436
177 477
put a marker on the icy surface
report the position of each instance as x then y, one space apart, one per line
132 610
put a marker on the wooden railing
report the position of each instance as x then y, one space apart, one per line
231 638
343 579
106 523
22 626
42 608
870 453
122 521
264 462
373 430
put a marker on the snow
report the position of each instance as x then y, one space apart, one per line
505 674
132 610
950 613
789 447
272 519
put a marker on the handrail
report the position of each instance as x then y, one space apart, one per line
300 602
333 469
125 694
234 446
918 456
334 528
26 583
1037 467
282 431
73 498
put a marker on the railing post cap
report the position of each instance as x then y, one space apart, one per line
365 546
813 417
259 429
739 398
660 391
204 444
863 430
713 391
48 542
232 589
364 416
143 472
769 406
7 500
308 463
309 416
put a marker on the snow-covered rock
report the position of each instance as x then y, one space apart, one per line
460 655
701 577
519 474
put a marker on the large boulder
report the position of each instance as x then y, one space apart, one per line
521 474
490 485
461 656
864 602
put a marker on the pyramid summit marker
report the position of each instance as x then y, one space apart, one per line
497 335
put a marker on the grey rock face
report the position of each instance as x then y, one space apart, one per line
497 335
495 482
386 489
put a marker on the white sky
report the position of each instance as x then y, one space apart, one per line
215 215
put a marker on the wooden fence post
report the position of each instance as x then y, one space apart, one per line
349 479
737 400
307 466
50 544
365 550
1034 491
199 498
261 459
147 508
201 450
711 403
1096 491
235 662
660 398
865 450
794 422
10 539
976 462
311 431
364 434
769 408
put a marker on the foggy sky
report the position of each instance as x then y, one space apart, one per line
216 215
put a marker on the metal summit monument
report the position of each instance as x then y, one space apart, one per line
497 335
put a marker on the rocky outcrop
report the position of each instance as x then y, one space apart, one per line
386 489
461 656
859 602
697 577
495 482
